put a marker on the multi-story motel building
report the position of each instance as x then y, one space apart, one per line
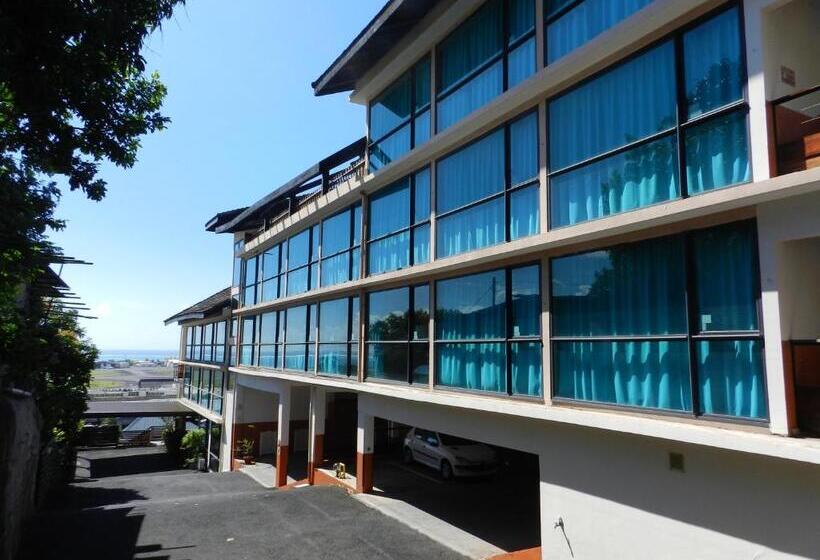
586 230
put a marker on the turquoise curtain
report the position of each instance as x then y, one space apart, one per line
647 374
526 301
587 20
389 149
270 262
526 368
422 129
421 244
420 359
470 96
627 103
726 276
421 195
717 153
391 108
730 374
713 65
298 281
298 249
390 253
635 289
639 177
471 307
521 63
390 209
296 328
333 358
471 174
524 220
336 233
267 356
480 367
388 312
333 320
524 149
295 357
474 42
471 229
336 270
422 83
521 18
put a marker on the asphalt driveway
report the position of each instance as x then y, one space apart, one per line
183 515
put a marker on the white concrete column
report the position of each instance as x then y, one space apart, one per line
364 452
316 430
283 436
229 399
772 332
546 364
755 70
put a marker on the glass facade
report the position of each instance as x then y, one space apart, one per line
571 23
476 184
400 116
488 332
206 342
341 246
489 53
204 387
618 141
670 323
339 336
397 347
399 224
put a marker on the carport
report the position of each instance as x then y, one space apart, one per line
494 512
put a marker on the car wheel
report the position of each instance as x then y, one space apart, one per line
446 470
407 456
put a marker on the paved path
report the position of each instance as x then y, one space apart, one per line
183 515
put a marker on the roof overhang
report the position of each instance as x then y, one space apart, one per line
211 305
222 218
391 24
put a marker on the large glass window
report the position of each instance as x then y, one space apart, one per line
488 332
248 340
400 116
268 331
399 224
302 263
300 335
489 53
250 281
476 185
341 239
219 341
571 23
616 142
662 324
338 336
397 347
271 274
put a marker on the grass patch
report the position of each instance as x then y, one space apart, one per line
104 384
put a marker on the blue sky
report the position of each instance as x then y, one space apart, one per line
244 120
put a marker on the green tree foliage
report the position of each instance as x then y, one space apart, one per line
74 93
193 445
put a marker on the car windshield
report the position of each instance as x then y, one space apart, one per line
453 440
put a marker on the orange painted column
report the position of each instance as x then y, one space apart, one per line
281 465
364 452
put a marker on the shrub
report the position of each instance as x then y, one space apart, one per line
193 446
172 438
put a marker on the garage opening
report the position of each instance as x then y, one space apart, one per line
340 433
489 492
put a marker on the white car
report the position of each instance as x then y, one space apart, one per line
449 455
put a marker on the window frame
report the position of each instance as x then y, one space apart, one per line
411 227
352 245
352 337
408 341
440 94
506 191
692 336
415 112
683 122
507 341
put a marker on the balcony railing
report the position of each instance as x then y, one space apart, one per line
796 124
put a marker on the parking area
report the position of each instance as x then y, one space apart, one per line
498 502
181 514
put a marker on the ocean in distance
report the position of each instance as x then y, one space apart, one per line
137 354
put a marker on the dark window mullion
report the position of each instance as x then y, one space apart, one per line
691 318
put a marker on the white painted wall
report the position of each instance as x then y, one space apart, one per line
618 498
256 406
799 265
791 39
